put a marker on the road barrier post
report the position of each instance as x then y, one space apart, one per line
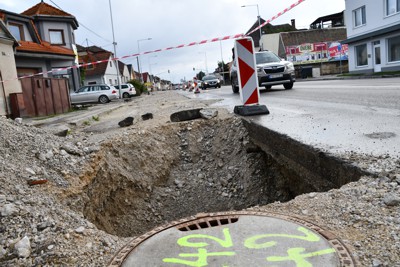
247 78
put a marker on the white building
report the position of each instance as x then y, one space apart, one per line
373 32
8 71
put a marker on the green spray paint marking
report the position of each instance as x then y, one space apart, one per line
294 254
202 256
184 241
252 241
255 242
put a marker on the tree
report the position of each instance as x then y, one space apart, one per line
223 69
200 75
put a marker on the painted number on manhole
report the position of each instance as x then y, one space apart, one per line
201 256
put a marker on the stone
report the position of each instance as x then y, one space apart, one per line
376 263
208 113
80 230
71 149
3 252
147 116
18 120
62 133
23 247
30 171
8 210
128 121
391 200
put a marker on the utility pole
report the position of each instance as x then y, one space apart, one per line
115 53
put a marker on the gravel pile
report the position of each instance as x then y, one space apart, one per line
36 229
41 213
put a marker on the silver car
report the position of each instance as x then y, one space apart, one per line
96 93
271 70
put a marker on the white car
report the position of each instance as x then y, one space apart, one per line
127 90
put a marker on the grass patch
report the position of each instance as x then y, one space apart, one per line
86 123
95 118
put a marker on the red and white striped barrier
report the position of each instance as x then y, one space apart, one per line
247 74
247 78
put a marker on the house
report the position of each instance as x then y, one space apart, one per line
104 72
46 42
329 21
268 29
132 72
124 72
8 71
322 43
373 35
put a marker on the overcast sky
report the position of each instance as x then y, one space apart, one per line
175 22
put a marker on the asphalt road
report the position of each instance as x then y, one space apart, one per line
360 115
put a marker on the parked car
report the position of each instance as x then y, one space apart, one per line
271 70
209 81
127 90
101 93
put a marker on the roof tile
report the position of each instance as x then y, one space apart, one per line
45 9
44 47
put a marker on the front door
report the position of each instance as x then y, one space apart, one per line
377 56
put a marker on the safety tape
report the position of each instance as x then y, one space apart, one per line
229 37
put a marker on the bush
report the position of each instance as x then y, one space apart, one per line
140 87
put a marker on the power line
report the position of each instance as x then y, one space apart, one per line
81 24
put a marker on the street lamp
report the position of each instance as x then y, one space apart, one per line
259 22
139 62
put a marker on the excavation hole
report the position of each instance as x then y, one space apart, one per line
146 179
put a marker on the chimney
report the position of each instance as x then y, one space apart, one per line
293 22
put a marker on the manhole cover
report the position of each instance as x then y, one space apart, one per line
236 239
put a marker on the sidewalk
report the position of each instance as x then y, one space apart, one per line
75 118
347 77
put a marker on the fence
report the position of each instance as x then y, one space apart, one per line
41 97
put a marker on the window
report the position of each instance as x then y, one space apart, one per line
57 37
394 49
17 30
362 55
84 89
392 7
110 81
359 16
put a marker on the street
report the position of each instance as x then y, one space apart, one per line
359 115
